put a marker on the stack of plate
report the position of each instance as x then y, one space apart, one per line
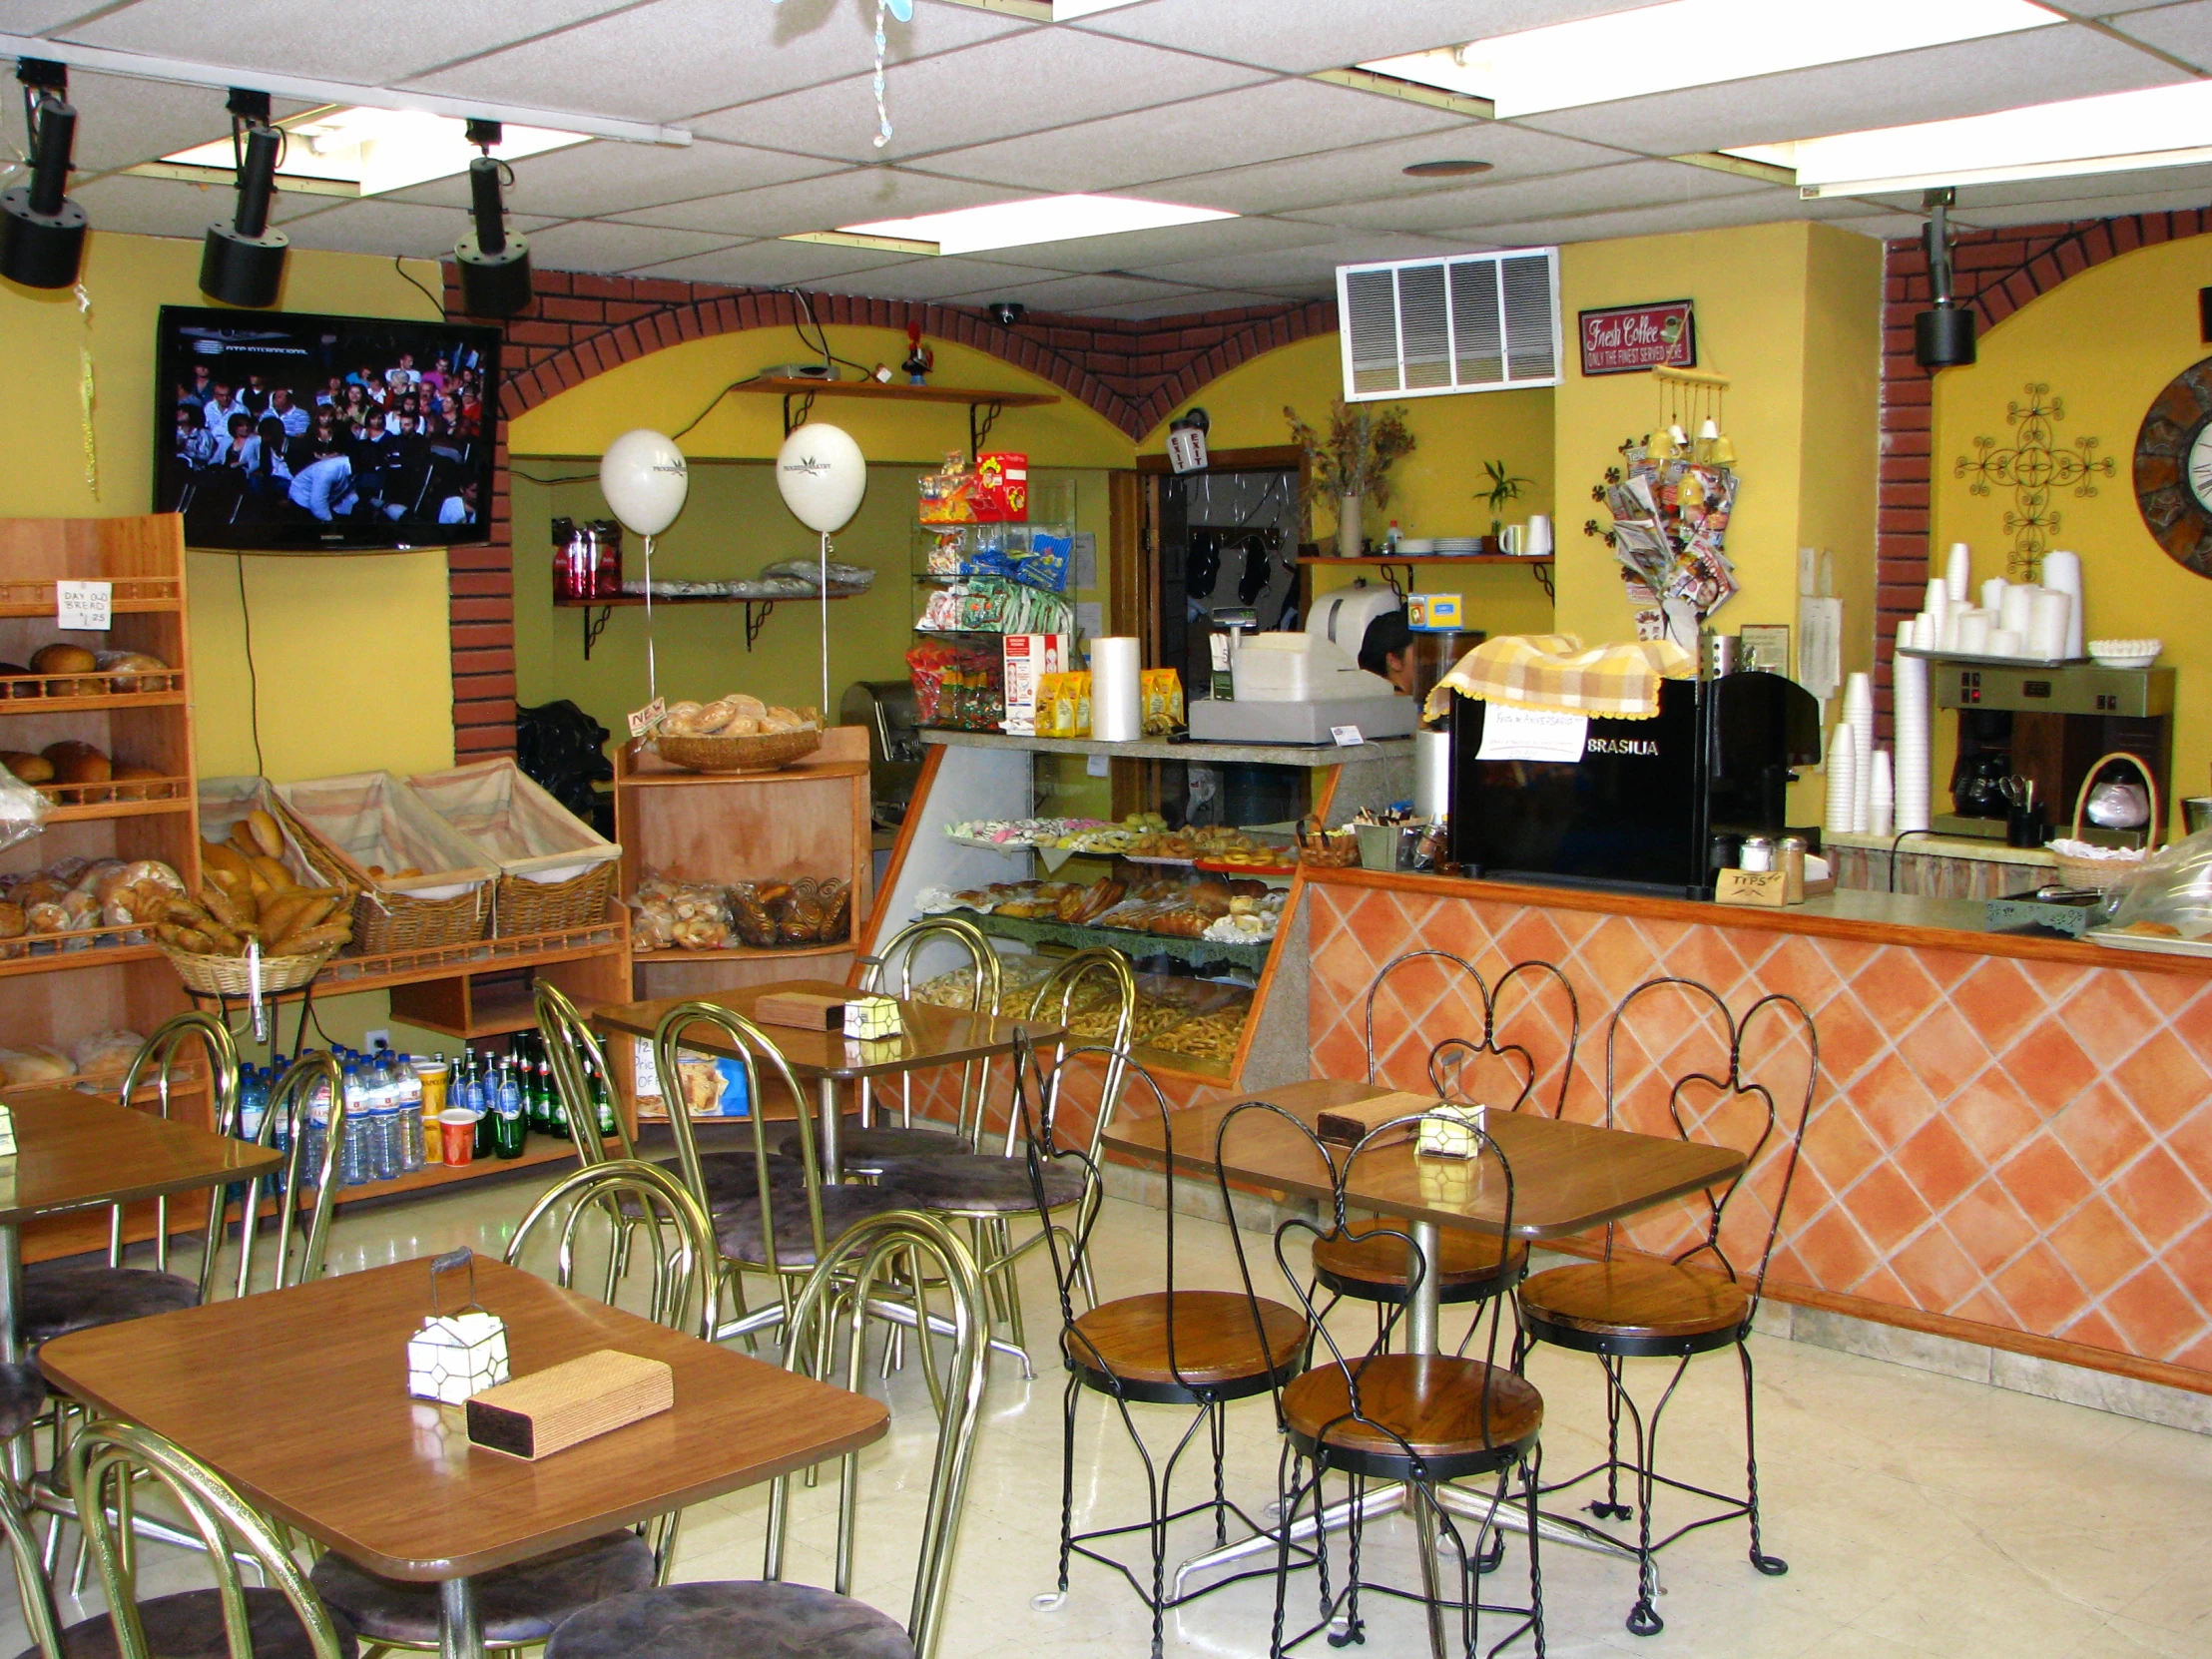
1459 544
1417 544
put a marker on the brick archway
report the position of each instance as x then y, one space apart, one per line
1131 373
2000 271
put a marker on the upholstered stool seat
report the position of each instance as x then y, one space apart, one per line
522 1603
867 1151
733 1178
22 1397
58 1300
190 1626
982 1186
842 1208
740 1620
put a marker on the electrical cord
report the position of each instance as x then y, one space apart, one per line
437 303
580 478
806 306
1903 837
252 681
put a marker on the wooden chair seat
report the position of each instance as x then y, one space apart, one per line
1469 1267
1217 1352
1623 1304
525 1602
58 1298
190 1626
1433 1402
742 1620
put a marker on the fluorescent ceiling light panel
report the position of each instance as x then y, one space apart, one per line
1696 43
2120 132
1040 218
379 149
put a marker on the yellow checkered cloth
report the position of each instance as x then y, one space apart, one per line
1553 670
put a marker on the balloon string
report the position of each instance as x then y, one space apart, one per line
651 673
826 627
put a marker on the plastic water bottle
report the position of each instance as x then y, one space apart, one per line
355 1163
409 1093
383 1120
314 1131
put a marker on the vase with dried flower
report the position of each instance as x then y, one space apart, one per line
1353 461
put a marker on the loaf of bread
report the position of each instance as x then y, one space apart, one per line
106 1054
32 1063
124 669
31 769
68 658
12 685
79 763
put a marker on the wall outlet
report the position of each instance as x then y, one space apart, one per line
369 1039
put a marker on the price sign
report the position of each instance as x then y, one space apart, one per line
646 1076
644 720
1348 737
84 606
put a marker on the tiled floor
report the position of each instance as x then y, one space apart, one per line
1921 1515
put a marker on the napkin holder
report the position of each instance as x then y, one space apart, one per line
1451 1132
563 1405
801 1010
871 1018
460 1354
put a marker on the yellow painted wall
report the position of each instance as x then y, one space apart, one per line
2107 344
350 652
1435 489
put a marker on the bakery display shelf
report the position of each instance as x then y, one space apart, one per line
538 1149
134 797
1036 931
800 771
44 952
493 1011
105 1084
16 698
1186 750
346 974
127 594
745 952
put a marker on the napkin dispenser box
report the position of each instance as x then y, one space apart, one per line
801 1010
563 1405
1639 812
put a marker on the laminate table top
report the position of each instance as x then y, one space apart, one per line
298 1397
1567 1177
75 1151
931 1036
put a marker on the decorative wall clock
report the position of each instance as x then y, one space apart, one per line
2173 468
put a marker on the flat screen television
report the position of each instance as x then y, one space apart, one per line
296 434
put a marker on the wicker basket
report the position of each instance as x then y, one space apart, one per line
2102 873
769 751
385 922
526 907
1321 849
228 975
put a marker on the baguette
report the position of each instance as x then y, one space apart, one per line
224 907
301 940
272 872
263 828
217 855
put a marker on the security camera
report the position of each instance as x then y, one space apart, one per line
1007 312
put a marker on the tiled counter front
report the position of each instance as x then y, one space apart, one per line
2012 1148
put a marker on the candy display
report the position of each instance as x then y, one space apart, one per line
958 686
996 605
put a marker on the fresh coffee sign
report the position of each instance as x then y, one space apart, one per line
1622 339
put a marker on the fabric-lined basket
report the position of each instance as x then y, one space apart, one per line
555 871
372 818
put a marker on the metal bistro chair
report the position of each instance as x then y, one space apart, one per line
58 1298
283 1618
1421 1418
1174 1347
772 1618
1629 1306
779 1229
989 1193
523 1604
867 1148
1366 1265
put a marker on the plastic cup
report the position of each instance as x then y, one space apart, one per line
457 1130
434 1077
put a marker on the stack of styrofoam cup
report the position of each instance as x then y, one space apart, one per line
1959 573
2050 616
1842 787
1880 796
2063 574
1908 710
1859 715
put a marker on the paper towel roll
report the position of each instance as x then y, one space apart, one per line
2063 574
1992 594
1117 702
1841 772
2046 623
1958 572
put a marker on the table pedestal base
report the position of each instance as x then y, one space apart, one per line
460 1632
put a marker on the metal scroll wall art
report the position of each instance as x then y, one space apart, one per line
2034 467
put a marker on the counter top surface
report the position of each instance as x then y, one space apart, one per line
1956 925
1175 749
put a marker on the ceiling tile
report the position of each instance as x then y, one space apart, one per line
35 17
1300 36
2059 208
769 264
358 43
1762 206
671 59
1972 77
1087 294
588 181
595 245
941 278
2150 180
1037 79
2185 30
151 207
382 226
1377 170
861 195
1130 250
1203 299
1230 128
1632 183
121 121
1305 272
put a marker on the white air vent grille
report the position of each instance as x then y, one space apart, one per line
1423 328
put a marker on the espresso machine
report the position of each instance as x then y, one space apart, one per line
895 748
2049 725
1643 806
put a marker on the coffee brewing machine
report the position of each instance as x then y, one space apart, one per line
1648 803
2049 727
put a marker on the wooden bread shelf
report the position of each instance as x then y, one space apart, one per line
15 702
745 952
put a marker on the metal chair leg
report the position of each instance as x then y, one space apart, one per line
1772 1565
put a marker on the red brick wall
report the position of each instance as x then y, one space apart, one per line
1132 373
1999 270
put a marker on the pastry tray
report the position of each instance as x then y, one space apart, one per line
2149 941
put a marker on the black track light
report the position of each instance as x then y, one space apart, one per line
1943 337
495 267
242 261
41 232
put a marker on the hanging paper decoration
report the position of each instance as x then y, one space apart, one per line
1670 502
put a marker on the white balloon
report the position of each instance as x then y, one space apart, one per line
822 475
644 480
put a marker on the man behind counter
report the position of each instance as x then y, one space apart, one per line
1388 649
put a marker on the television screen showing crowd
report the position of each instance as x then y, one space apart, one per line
270 438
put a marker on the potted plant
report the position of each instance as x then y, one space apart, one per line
1504 487
1352 463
